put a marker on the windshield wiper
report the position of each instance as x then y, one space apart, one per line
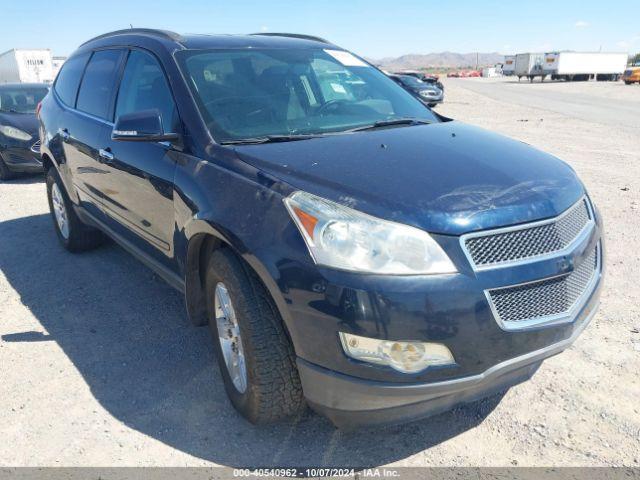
390 123
269 139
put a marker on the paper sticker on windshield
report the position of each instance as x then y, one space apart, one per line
347 59
336 87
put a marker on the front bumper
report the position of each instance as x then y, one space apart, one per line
432 100
351 402
22 158
449 309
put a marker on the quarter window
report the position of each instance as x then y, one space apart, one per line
144 87
98 83
68 80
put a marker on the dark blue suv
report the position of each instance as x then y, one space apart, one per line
349 248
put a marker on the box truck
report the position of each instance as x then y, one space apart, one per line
509 65
26 66
581 66
529 65
57 63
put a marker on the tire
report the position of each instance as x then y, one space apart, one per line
272 389
627 83
75 236
5 173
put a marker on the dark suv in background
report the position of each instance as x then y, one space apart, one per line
348 247
427 93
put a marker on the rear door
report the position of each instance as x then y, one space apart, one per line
72 136
84 126
137 178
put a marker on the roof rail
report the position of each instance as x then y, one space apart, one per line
294 35
145 31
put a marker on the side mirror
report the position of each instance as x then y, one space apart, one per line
142 126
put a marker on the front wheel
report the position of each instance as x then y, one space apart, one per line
73 234
254 353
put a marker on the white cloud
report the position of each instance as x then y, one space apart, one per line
582 24
264 28
623 44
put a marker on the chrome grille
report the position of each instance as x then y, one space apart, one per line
35 148
545 300
488 249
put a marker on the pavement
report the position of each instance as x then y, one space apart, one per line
99 365
609 103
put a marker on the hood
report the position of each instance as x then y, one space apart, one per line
24 121
447 178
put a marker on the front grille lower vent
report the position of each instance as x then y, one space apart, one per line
546 300
489 249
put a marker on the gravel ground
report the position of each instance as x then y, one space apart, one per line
99 366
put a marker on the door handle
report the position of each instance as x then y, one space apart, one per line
106 154
64 133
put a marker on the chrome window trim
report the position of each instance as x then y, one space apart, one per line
549 320
583 234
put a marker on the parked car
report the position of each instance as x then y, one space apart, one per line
631 75
347 246
425 92
19 143
425 77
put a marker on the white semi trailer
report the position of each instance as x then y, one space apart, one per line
582 66
26 66
529 65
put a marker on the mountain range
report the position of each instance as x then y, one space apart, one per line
439 60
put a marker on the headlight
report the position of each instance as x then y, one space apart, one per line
427 93
14 133
343 238
405 357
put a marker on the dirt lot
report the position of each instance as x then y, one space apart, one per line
99 365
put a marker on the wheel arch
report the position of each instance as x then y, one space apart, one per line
47 162
203 238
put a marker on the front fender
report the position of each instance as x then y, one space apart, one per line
242 210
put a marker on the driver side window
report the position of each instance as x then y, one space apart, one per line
144 87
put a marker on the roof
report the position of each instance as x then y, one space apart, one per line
197 41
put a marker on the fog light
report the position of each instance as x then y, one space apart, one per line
406 357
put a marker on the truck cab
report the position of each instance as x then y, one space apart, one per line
631 75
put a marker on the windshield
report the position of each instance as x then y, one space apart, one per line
411 81
254 93
21 99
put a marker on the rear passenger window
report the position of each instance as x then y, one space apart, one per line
99 83
68 79
144 87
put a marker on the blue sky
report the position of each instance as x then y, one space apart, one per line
371 28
